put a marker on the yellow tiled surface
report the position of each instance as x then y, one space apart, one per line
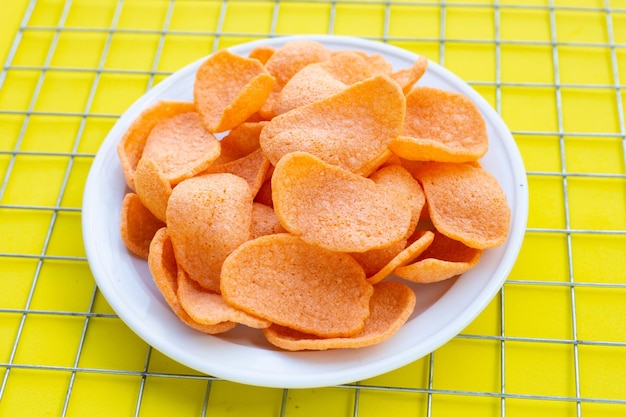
553 341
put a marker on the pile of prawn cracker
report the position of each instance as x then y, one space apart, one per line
332 173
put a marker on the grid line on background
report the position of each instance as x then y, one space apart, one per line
432 394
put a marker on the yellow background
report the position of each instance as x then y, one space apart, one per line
552 343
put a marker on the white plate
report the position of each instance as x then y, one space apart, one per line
243 355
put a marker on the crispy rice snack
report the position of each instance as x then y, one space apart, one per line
391 305
400 180
441 126
374 260
443 259
336 209
253 168
208 217
229 89
262 53
181 147
207 307
240 141
320 80
138 225
294 284
347 129
130 147
411 252
286 62
164 270
465 203
407 77
153 188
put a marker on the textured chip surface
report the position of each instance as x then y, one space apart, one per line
208 216
391 305
137 225
441 125
289 282
347 129
181 146
164 270
465 203
336 209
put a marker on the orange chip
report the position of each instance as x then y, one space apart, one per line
207 307
465 203
378 64
264 221
290 58
138 225
208 216
336 209
320 80
407 255
373 164
241 141
407 77
164 270
348 129
286 62
181 146
374 260
391 306
441 126
294 284
262 52
400 180
130 148
443 259
229 89
153 188
252 168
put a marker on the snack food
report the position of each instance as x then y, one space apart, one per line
307 212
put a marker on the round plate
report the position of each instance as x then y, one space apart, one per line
242 355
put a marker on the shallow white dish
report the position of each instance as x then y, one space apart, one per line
242 355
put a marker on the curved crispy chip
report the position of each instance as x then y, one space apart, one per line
320 80
336 209
252 168
287 61
443 259
374 260
131 145
287 281
391 306
465 203
137 225
153 188
229 89
208 216
407 77
164 270
262 52
407 255
373 164
441 126
400 180
347 129
181 146
207 307
241 141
